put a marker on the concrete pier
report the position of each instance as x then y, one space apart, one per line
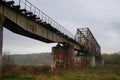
82 60
92 61
63 57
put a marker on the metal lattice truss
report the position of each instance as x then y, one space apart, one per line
86 39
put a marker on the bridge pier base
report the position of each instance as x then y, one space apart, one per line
99 61
63 57
88 60
82 59
92 61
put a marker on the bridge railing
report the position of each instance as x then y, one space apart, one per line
25 4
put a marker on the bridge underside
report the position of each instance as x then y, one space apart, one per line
16 29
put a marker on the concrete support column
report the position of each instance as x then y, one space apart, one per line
63 57
1 41
92 61
99 61
1 32
102 62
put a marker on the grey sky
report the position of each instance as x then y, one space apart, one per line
101 16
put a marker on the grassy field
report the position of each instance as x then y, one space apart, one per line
111 72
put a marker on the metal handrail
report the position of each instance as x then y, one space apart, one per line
31 8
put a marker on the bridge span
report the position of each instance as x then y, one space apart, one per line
22 17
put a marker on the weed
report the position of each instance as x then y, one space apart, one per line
44 73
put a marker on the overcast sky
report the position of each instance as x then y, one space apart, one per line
101 16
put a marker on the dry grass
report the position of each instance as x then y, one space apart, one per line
44 73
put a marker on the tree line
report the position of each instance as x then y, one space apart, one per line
112 58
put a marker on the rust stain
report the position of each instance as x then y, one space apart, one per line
32 28
63 58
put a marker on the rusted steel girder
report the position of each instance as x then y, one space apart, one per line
88 41
89 46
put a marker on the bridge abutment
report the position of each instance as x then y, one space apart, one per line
63 57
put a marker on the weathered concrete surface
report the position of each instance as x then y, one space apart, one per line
92 61
99 62
63 57
83 60
1 31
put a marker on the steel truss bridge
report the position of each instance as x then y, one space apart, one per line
22 17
